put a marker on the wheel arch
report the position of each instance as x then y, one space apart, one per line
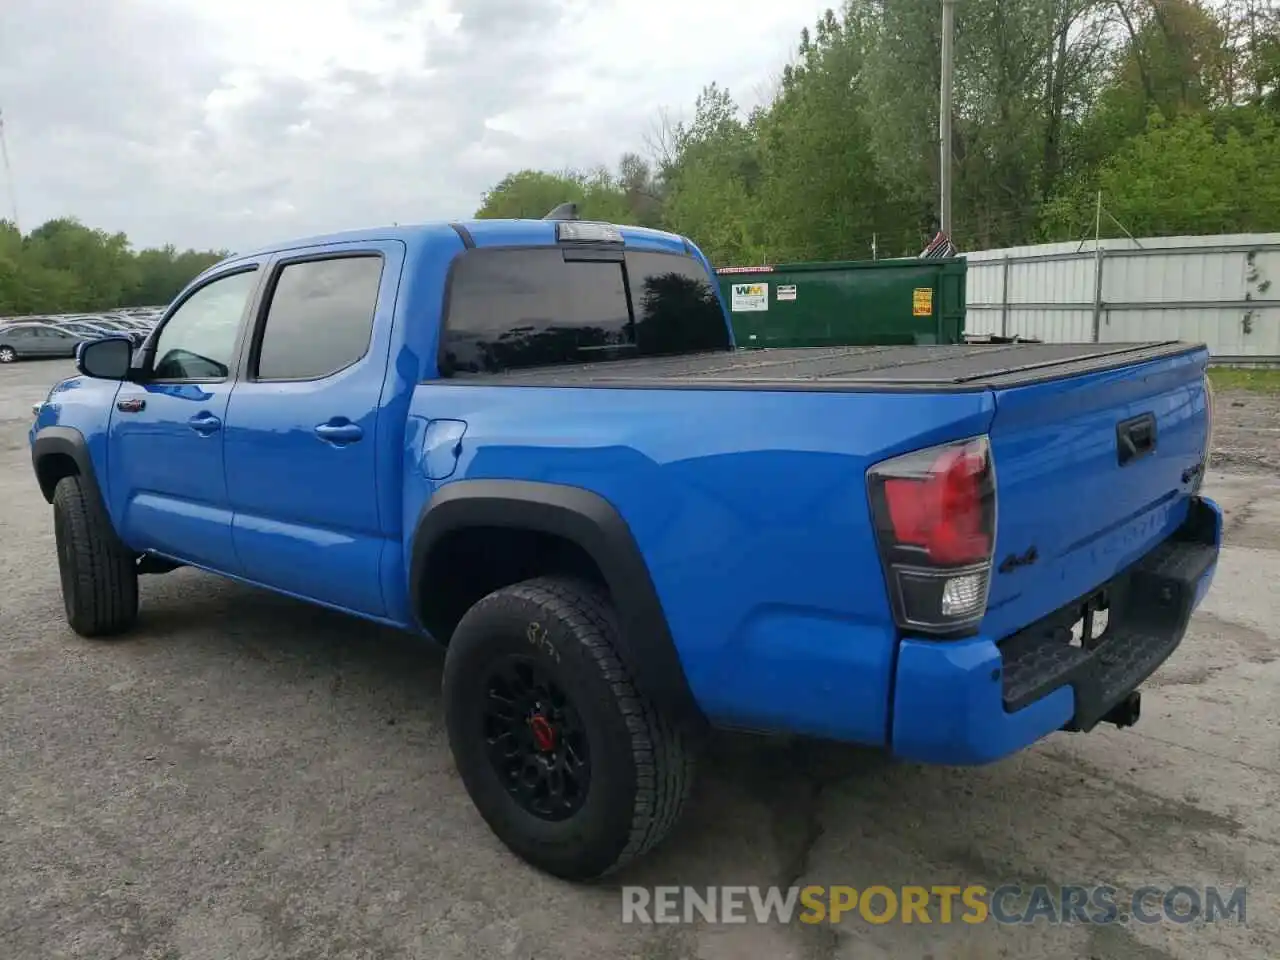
59 452
594 529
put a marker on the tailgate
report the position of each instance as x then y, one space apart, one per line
1092 471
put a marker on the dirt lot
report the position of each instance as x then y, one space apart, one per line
248 777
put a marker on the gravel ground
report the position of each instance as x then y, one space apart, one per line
247 777
1247 433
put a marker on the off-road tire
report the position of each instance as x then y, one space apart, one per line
641 762
99 574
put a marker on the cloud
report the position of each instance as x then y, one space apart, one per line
232 123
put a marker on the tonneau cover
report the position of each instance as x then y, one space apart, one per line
949 367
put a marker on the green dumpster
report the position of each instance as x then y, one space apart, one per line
855 303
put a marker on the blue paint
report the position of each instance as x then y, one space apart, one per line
749 507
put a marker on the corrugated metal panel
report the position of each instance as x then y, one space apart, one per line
984 282
1223 330
1052 326
1206 276
982 321
1221 290
1046 281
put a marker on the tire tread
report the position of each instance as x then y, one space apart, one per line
104 598
661 750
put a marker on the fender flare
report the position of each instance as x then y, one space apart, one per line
593 524
69 442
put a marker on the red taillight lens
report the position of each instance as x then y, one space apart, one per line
942 512
934 511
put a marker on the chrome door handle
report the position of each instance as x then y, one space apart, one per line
339 433
204 424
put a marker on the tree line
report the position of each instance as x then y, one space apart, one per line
63 266
1170 109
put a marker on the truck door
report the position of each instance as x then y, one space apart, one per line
165 454
301 436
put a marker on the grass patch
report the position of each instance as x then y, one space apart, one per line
1258 380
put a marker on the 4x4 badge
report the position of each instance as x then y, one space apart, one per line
1013 561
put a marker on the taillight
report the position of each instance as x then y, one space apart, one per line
934 513
1208 434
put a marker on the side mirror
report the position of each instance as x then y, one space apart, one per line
106 359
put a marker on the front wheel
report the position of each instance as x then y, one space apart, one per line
99 575
8 354
569 765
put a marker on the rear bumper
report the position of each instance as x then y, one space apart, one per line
977 700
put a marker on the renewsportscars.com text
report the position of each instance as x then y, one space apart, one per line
974 904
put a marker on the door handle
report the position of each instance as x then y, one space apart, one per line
1135 438
204 424
339 433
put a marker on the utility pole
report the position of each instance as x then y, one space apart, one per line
944 113
1097 270
8 175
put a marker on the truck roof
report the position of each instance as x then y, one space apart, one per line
484 233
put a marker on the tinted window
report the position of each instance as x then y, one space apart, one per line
320 319
198 340
524 308
677 309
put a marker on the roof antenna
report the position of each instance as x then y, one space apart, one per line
566 211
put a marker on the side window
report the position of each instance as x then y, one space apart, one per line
320 319
530 308
198 340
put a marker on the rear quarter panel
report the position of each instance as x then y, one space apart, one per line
751 511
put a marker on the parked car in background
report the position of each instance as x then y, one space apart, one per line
96 328
84 329
20 341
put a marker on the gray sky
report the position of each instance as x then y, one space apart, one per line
228 123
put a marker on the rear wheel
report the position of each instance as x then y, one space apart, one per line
8 355
99 574
569 765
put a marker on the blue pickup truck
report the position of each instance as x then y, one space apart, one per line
534 443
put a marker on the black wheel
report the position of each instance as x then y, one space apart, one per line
8 354
570 766
99 574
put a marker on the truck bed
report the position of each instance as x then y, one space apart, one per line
957 367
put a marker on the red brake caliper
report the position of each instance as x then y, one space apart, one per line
544 735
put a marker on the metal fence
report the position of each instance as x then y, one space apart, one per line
1217 290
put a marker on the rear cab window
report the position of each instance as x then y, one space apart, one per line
531 307
320 317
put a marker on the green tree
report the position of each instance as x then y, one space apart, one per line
102 263
63 266
711 181
1183 176
529 194
819 192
